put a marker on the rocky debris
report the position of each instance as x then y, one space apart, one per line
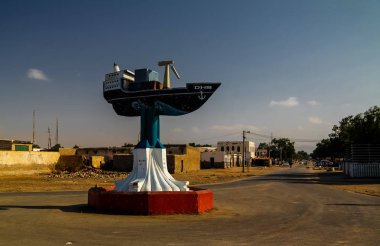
88 173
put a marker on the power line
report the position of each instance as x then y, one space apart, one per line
262 137
292 139
226 135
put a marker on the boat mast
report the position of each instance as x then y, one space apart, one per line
168 64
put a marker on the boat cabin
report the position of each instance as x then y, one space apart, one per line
141 79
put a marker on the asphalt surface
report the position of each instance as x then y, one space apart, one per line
284 208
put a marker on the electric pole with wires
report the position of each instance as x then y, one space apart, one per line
244 161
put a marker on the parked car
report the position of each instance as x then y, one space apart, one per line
324 163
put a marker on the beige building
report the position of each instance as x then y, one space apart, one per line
15 145
107 152
180 158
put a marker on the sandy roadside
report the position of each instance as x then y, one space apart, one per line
30 180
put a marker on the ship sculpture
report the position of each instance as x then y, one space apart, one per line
139 93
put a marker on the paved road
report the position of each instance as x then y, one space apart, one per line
285 208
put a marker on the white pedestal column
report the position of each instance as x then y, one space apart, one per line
150 173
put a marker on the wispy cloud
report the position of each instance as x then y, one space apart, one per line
315 120
177 130
300 128
288 103
37 74
235 127
195 129
313 103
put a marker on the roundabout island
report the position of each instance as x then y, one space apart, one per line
150 188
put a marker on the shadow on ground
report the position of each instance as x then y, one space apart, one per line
328 178
353 204
80 208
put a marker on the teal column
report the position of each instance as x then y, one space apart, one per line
149 128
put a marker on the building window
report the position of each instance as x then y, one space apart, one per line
228 148
238 149
233 148
222 148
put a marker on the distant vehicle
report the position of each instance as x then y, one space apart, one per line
285 164
324 163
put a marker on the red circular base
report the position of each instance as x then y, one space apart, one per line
147 203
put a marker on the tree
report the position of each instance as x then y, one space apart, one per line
76 147
359 129
302 155
282 148
56 147
263 146
128 145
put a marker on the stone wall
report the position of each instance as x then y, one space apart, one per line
9 158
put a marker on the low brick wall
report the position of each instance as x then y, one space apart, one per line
10 158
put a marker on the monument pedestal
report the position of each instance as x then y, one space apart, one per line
150 189
193 201
150 173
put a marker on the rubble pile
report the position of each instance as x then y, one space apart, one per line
88 173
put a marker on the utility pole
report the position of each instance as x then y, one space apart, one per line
244 154
56 133
270 144
243 157
49 139
34 127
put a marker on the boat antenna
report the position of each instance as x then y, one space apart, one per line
116 67
168 64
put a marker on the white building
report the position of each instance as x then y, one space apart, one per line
227 154
217 159
236 147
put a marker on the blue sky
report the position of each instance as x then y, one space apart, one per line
291 68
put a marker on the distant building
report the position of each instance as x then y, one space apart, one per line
262 153
218 159
182 158
107 152
179 157
227 154
236 147
15 145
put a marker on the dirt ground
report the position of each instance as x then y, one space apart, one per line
336 179
40 179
